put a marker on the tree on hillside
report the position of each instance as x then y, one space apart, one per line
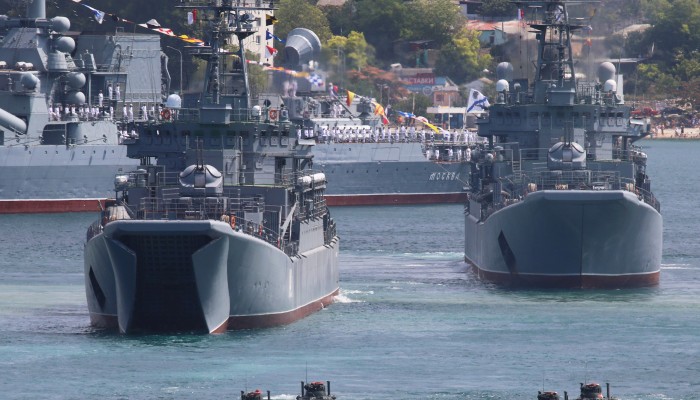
356 49
378 83
381 21
435 20
334 54
461 59
676 27
650 79
340 18
301 14
386 21
498 8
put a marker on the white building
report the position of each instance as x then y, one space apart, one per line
256 43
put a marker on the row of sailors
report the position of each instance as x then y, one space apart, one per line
363 134
126 134
86 112
448 154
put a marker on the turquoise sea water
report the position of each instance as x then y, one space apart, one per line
411 322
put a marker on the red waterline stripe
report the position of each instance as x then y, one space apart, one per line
570 281
49 206
238 322
386 199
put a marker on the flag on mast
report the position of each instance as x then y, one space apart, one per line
477 101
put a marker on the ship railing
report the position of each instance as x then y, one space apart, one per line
541 154
185 114
581 180
266 226
587 93
242 114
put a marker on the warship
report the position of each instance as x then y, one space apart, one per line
365 163
559 197
61 98
224 224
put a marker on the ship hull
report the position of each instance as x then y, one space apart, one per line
388 173
201 276
51 179
568 239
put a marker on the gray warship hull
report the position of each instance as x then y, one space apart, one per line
57 178
388 173
568 239
201 276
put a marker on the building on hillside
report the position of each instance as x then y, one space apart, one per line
257 43
490 33
470 8
445 93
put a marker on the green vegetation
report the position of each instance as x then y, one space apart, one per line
363 37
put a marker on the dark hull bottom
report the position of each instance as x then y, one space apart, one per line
111 322
395 198
49 206
567 281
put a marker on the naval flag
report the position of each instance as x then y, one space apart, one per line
477 101
270 51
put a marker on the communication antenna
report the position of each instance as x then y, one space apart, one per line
543 380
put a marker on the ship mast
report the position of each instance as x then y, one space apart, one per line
555 65
227 84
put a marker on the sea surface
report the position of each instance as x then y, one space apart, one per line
411 322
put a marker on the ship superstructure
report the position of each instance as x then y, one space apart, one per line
560 196
224 224
62 97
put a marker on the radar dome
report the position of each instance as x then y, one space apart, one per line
75 80
201 180
606 71
173 101
60 24
65 44
502 85
504 70
29 81
77 98
566 156
610 86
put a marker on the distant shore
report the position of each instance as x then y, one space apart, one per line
670 133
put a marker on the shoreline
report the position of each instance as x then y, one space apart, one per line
670 134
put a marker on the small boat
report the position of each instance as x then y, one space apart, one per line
254 395
594 391
589 391
316 390
547 396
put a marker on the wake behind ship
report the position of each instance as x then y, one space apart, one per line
229 228
62 97
560 196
